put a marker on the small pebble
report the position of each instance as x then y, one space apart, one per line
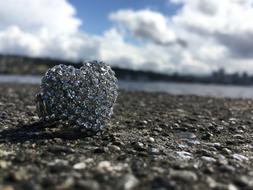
128 182
184 155
207 136
114 148
238 136
60 149
67 184
240 157
192 141
104 165
151 139
184 175
138 146
204 152
3 164
226 151
154 151
79 166
208 159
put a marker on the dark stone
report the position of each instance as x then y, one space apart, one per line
160 182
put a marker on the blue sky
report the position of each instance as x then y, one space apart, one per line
94 13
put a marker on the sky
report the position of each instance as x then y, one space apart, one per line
94 13
185 36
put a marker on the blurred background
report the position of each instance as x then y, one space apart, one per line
197 47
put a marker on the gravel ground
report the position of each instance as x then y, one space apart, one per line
153 141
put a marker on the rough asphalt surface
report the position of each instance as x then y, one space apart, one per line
154 141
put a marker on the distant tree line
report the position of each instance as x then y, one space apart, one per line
23 65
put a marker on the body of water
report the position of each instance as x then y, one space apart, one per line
170 87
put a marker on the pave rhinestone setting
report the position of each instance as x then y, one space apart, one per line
84 97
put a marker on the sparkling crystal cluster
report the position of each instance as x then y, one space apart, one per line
83 97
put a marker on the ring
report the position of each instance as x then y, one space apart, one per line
82 96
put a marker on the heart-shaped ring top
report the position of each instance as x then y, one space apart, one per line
83 97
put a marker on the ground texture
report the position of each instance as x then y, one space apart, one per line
153 141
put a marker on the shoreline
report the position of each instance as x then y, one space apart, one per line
153 141
216 91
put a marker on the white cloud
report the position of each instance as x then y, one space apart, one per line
146 24
202 36
227 21
43 28
15 41
216 16
146 57
57 16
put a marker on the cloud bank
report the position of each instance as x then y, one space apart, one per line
201 37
